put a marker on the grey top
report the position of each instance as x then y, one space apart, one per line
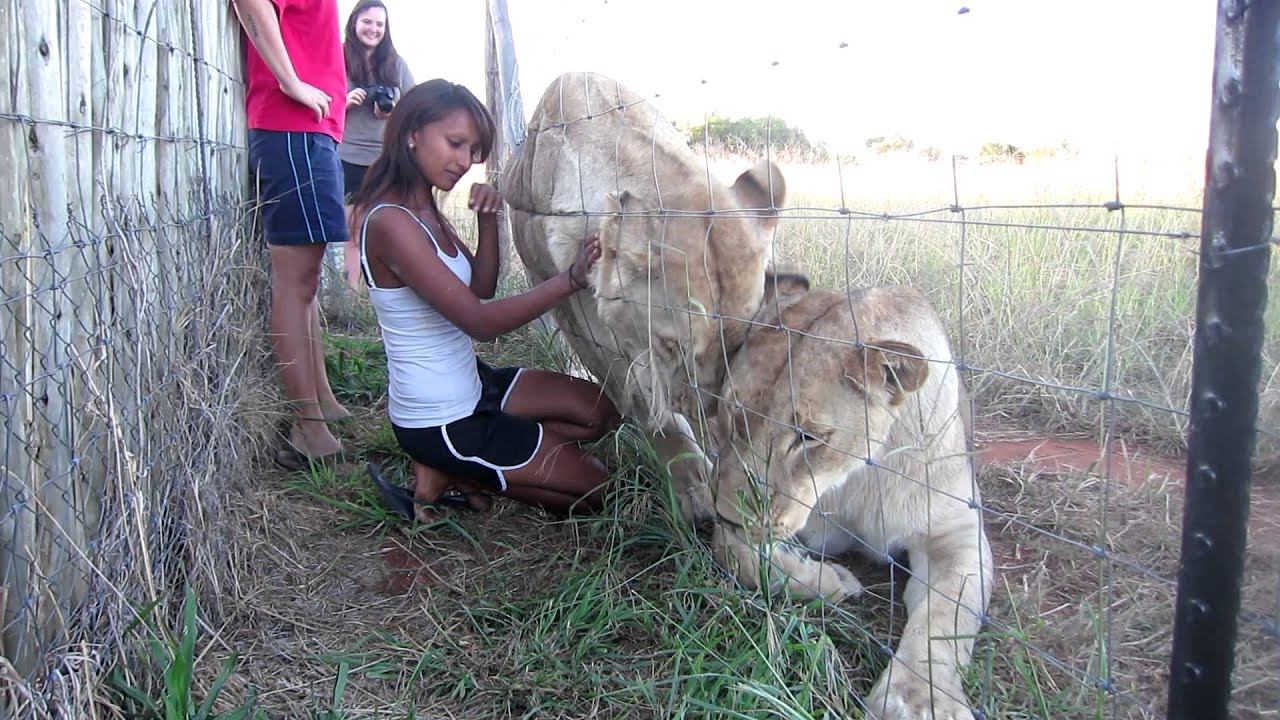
362 138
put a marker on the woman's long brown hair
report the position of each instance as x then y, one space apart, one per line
395 175
383 67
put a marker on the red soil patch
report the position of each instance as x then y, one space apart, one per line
1133 467
1067 456
407 569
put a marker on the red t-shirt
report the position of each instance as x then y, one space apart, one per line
313 39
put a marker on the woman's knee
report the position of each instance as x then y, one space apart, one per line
589 485
595 478
571 469
602 416
297 274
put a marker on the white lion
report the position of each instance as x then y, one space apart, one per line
839 418
599 157
843 429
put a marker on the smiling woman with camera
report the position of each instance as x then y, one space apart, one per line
376 78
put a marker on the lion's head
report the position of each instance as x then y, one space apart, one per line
808 398
676 270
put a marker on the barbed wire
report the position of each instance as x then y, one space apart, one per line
116 132
167 44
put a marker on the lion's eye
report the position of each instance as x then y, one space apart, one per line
670 348
803 437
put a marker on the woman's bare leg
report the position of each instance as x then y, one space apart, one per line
295 277
429 484
562 478
573 409
351 254
330 408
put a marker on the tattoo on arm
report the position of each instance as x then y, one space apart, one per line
253 27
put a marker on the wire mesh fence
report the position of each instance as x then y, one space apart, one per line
823 414
1004 443
129 340
1072 327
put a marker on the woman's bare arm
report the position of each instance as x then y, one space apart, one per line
397 240
262 25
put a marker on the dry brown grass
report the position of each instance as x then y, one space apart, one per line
1061 599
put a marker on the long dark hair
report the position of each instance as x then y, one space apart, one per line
383 67
395 174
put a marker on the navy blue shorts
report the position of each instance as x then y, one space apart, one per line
483 446
299 186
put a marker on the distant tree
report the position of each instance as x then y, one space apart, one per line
1060 149
994 152
883 145
756 136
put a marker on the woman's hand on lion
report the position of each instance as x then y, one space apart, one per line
485 199
588 254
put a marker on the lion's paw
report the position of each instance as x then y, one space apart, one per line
909 697
846 584
812 579
697 506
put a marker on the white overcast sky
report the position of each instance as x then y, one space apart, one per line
1116 75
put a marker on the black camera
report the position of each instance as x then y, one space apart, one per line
381 97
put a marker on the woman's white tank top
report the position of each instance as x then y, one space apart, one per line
431 363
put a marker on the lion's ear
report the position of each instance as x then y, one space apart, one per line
624 247
616 202
777 285
761 188
895 368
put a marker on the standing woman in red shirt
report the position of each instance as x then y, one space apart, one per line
294 70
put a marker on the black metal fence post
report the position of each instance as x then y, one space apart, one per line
1234 260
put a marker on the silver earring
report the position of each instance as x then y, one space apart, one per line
411 146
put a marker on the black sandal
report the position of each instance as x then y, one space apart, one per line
400 497
293 459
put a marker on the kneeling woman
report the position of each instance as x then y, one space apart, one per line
509 431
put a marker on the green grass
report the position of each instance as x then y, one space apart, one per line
346 488
625 615
170 667
634 621
357 367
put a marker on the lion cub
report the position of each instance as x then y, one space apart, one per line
842 429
